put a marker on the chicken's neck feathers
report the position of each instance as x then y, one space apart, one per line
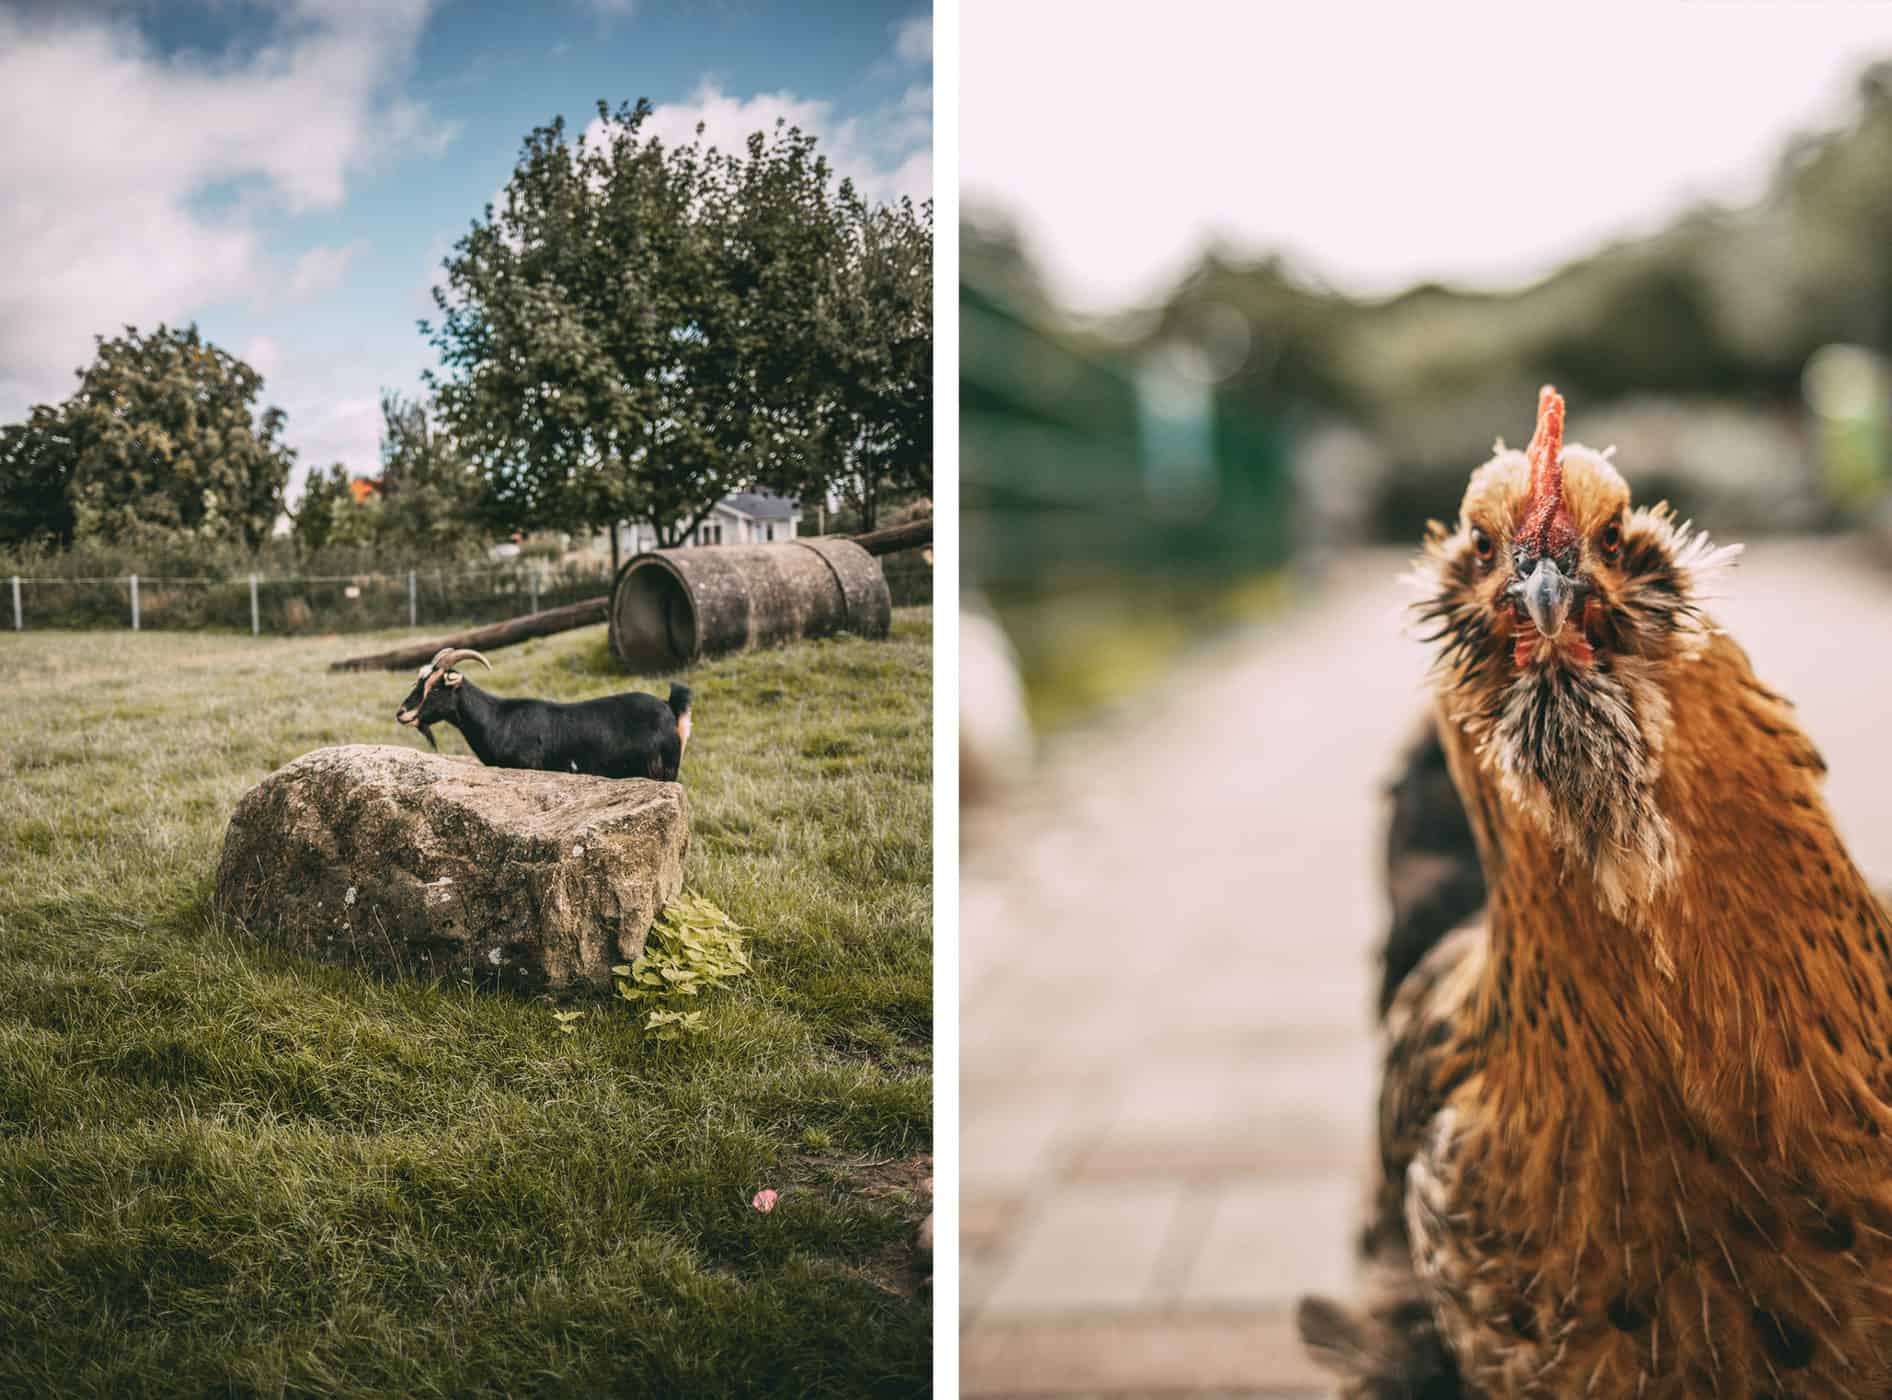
1753 981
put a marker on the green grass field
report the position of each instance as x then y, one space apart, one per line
226 1170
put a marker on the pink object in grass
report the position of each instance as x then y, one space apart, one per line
764 1201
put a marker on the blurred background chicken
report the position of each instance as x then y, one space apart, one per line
1633 1120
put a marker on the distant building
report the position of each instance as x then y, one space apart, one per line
747 517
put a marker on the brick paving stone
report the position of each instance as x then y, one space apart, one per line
977 1274
1089 1246
1317 1151
1184 1096
1270 1241
1008 1145
1176 1260
1240 1353
984 1221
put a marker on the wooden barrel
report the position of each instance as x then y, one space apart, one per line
674 607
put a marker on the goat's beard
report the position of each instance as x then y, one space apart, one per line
1581 750
426 728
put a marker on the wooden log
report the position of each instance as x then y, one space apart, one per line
895 538
500 634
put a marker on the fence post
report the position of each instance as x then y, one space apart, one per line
413 603
134 602
17 624
533 574
256 615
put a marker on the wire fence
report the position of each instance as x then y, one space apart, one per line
909 576
298 604
290 605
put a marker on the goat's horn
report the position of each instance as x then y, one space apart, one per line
444 659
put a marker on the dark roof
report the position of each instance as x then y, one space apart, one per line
762 505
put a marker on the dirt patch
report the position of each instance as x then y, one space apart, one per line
903 1268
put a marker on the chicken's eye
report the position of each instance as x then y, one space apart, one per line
1612 540
1482 546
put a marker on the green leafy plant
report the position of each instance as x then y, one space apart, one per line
673 1025
692 945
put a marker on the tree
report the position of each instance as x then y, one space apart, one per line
328 513
36 466
637 330
162 434
427 490
165 433
875 435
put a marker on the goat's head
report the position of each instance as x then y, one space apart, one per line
436 693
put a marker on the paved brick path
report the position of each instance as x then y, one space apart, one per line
1167 1067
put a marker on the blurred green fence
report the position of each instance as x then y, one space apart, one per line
1076 462
1116 503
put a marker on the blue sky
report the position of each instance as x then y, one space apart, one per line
289 173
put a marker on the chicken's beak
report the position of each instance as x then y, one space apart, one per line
1546 596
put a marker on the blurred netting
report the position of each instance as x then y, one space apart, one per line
1117 502
301 604
1080 458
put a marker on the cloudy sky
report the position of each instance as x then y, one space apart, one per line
289 173
1472 141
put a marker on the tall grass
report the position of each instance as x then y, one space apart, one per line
225 1170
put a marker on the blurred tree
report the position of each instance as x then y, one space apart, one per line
163 434
427 492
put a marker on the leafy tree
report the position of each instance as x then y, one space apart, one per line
165 433
36 464
639 330
875 435
427 490
328 514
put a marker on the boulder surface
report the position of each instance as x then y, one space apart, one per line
410 862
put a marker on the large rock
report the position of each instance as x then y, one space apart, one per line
418 863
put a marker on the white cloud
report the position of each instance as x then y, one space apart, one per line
346 430
263 354
110 148
913 40
727 121
886 153
334 405
321 269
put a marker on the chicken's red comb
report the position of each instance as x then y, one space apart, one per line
1548 526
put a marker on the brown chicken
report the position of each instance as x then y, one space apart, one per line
1636 1120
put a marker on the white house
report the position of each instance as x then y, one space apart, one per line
747 517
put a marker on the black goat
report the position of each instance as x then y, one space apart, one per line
632 735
